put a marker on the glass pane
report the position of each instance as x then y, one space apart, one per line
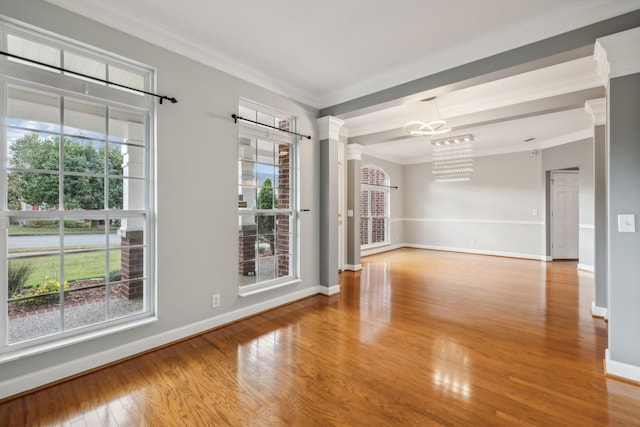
81 64
126 299
116 188
247 247
247 273
377 199
246 174
266 269
86 268
83 193
33 282
126 160
364 232
33 50
84 119
32 191
247 149
246 197
247 225
31 109
283 224
83 155
283 200
126 127
32 150
126 78
265 175
128 194
283 266
266 152
377 230
84 307
266 224
364 203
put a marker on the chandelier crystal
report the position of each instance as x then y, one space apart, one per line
452 158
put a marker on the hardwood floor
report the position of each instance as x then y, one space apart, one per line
416 338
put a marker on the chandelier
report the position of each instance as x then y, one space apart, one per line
452 158
436 126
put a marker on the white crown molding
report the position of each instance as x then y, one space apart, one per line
178 43
354 151
618 55
329 127
597 110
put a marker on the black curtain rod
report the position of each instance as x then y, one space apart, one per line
86 76
236 117
395 187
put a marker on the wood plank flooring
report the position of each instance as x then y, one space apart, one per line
417 338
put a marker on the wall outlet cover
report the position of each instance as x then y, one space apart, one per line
627 223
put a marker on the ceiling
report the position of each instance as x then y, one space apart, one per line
323 53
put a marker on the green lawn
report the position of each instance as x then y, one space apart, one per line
18 230
83 265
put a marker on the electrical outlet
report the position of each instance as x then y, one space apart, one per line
215 300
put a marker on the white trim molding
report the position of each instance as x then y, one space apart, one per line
354 151
329 128
586 267
477 251
380 249
328 291
597 110
473 221
598 311
620 370
617 54
351 267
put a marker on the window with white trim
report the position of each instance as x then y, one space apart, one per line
267 220
76 239
374 207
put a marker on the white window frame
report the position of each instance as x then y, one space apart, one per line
252 130
387 201
20 74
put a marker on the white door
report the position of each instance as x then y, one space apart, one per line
565 186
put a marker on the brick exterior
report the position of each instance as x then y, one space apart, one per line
132 264
247 250
282 221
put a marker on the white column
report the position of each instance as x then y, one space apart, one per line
354 161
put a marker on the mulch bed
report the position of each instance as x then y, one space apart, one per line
39 305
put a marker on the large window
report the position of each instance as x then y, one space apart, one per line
76 192
374 207
267 220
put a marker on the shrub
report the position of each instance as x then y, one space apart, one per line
18 274
115 275
47 291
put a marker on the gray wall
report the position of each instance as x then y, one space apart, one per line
491 213
196 201
576 155
624 198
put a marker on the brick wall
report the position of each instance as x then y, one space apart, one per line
132 264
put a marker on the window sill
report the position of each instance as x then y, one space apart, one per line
265 288
10 356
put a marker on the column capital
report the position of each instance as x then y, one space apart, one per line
354 151
617 54
329 128
597 109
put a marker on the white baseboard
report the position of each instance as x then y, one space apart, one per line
621 370
77 366
332 290
477 251
586 267
351 267
598 311
381 249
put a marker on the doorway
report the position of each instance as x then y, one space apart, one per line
565 189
